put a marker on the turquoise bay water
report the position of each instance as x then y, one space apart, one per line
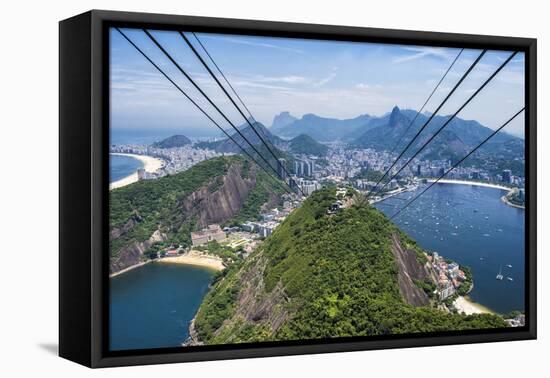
471 225
122 166
153 305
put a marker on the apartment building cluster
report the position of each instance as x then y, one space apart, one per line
270 219
449 276
177 159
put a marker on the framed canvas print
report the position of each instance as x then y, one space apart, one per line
234 188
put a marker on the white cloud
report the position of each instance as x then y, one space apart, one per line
255 84
325 80
261 44
421 52
291 79
366 86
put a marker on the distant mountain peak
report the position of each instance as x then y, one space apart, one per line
397 117
282 120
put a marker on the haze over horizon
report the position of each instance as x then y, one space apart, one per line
327 78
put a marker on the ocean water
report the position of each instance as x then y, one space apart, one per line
471 225
153 305
122 166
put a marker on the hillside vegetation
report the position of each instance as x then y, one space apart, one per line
167 209
304 144
322 276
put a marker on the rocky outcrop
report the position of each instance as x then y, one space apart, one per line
131 254
409 270
217 203
255 305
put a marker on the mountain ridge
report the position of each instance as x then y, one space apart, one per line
454 141
325 129
322 129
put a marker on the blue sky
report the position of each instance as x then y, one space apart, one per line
327 78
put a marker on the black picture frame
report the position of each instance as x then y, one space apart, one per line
83 182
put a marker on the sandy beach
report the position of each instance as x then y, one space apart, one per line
466 306
473 183
150 164
195 258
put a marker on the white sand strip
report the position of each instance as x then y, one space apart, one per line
150 164
195 258
466 306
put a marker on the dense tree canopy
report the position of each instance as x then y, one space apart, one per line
339 277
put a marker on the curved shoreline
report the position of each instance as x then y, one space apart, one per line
472 183
465 305
150 164
483 184
195 258
131 267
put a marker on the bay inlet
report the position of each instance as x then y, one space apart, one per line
472 226
122 166
152 306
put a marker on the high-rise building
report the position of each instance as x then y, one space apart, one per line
296 167
281 166
307 169
507 176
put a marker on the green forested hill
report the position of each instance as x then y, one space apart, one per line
304 144
173 141
167 209
320 276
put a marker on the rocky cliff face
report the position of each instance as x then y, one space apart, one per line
219 206
131 255
255 305
409 271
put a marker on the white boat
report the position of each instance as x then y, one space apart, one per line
499 275
509 278
508 265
